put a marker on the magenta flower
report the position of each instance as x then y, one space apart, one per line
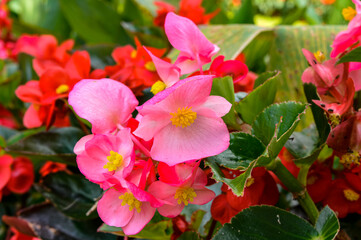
105 155
127 205
107 104
185 122
195 49
190 188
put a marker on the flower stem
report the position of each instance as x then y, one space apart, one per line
299 191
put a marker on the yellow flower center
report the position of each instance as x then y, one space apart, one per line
334 119
185 195
312 179
128 198
133 54
350 158
348 13
115 160
157 87
249 182
184 117
351 195
63 88
320 57
150 66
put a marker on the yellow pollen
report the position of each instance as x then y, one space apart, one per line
157 87
115 160
184 117
334 119
150 66
63 88
185 195
249 182
320 57
128 198
348 13
351 195
133 54
312 179
350 158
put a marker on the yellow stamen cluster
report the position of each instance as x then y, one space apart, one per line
184 117
350 158
133 54
334 119
150 66
320 57
63 88
115 160
157 87
348 13
132 202
185 195
249 182
312 179
351 195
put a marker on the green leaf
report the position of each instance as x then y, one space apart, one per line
55 145
243 149
275 125
352 56
258 99
50 224
327 224
189 235
245 13
7 133
307 145
224 87
95 21
155 231
73 195
270 223
263 77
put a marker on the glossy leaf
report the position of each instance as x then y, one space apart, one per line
275 125
73 195
243 149
258 99
55 145
94 21
352 56
49 224
269 223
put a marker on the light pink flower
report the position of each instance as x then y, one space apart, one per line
190 188
127 204
105 155
195 49
168 73
107 104
185 122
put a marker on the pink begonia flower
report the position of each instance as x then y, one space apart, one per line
169 74
107 104
129 207
195 49
185 122
190 188
322 75
105 155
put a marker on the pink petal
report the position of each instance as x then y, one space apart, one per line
170 211
31 118
30 92
80 145
139 220
111 211
162 191
185 36
205 137
218 104
204 195
168 73
105 103
356 77
5 170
